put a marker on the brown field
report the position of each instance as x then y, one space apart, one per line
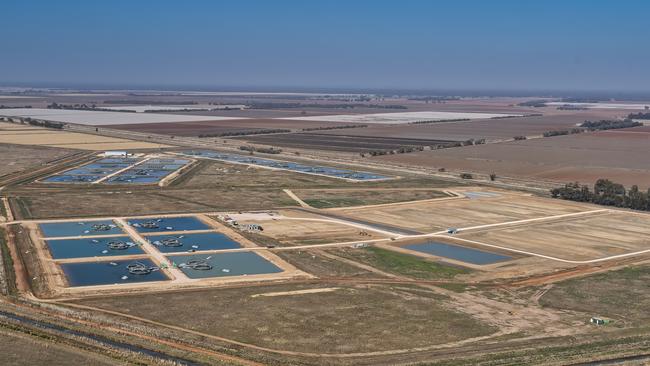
224 126
621 296
306 232
348 142
489 129
145 202
15 158
21 349
71 140
621 156
349 319
433 216
578 238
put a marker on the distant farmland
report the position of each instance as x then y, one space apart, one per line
618 155
347 143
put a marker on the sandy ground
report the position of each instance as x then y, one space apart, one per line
71 140
579 238
441 214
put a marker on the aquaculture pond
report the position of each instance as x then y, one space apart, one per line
473 256
151 171
286 165
111 272
91 247
79 228
153 225
192 242
223 264
93 171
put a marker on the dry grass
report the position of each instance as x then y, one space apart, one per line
352 319
580 238
330 198
47 137
434 216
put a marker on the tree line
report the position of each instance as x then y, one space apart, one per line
609 124
605 193
639 115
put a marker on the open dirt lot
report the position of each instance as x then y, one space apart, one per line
351 319
434 216
304 232
578 238
14 158
618 155
69 140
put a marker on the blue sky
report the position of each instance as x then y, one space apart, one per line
462 44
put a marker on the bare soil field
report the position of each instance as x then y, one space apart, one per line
305 232
618 155
350 319
34 136
220 127
349 142
577 238
14 158
333 198
434 216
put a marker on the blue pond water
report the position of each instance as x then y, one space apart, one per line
323 170
104 273
459 253
202 241
169 224
72 178
79 228
93 171
87 247
151 171
476 195
234 264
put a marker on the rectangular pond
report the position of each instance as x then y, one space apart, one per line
151 171
189 242
87 247
111 272
286 165
224 264
79 228
93 171
473 256
73 178
162 224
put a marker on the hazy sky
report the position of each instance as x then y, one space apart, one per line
519 44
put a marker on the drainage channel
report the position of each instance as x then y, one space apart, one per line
105 341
